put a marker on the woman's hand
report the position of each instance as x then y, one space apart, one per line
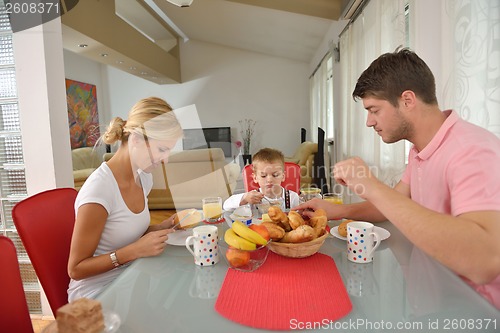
152 243
168 223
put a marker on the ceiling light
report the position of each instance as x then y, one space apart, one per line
181 3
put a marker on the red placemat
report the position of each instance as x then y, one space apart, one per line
285 293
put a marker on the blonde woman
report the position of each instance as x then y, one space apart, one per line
112 217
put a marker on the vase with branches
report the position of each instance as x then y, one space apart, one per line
247 131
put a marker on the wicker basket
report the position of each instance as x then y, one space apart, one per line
298 250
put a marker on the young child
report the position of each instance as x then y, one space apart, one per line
268 171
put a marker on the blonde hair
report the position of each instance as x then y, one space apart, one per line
268 155
151 117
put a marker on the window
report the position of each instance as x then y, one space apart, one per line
12 176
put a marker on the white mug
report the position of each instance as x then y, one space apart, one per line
362 241
360 280
206 283
205 245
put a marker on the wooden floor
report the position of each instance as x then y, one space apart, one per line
39 324
157 216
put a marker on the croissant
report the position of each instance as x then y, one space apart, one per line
319 212
276 214
295 219
303 233
318 223
275 231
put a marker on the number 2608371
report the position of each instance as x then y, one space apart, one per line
32 7
470 324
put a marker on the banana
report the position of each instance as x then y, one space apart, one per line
245 232
238 242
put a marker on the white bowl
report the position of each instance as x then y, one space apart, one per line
247 220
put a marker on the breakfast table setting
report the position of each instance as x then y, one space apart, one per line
371 280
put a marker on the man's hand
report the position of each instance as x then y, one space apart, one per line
355 174
307 209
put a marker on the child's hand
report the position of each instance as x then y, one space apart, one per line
252 197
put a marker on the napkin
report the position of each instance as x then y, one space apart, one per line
285 293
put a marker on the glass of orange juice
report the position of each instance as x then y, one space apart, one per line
212 209
335 198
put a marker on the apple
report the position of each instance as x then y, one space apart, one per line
261 230
236 257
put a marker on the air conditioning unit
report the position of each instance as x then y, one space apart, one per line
181 3
351 8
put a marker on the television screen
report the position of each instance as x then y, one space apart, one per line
213 137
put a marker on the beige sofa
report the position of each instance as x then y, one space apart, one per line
189 176
85 161
304 156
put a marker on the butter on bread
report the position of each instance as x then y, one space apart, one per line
189 221
83 315
266 218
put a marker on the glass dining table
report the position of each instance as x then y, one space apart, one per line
402 290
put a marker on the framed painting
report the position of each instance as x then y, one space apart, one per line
82 113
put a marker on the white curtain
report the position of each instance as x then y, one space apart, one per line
321 100
380 28
471 68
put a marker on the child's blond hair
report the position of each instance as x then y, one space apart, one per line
268 155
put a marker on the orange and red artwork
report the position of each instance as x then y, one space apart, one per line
82 113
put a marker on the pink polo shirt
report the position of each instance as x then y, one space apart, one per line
458 171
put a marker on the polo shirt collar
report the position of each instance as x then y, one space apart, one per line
451 118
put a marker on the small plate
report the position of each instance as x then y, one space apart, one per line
384 234
178 238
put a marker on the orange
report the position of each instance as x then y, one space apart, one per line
237 258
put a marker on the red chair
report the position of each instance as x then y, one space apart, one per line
14 313
291 182
45 224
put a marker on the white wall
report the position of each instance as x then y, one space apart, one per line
225 84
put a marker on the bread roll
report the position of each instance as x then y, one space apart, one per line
83 315
342 230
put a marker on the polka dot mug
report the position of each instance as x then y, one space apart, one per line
205 245
362 242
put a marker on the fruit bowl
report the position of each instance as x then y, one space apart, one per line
243 260
298 250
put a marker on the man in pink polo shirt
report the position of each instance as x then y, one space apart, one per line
448 200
